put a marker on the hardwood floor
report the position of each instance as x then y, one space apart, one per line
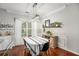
21 51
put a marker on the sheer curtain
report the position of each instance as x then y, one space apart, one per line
36 28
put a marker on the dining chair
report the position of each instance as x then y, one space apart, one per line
26 50
45 49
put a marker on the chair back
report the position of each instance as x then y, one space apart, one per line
46 46
24 42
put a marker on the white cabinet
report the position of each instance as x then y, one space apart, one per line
62 37
5 41
63 41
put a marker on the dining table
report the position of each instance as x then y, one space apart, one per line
35 44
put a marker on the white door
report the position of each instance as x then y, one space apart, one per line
18 33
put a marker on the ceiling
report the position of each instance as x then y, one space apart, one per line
43 9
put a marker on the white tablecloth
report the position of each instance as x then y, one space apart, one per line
35 44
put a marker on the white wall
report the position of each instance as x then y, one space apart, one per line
69 33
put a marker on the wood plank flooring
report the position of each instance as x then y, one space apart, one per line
22 51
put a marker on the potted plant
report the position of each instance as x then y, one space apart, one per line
49 33
56 24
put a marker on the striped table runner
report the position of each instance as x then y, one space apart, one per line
35 44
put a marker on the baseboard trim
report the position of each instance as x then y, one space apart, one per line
18 45
69 50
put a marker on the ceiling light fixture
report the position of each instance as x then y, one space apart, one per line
34 6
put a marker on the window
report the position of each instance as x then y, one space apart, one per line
29 29
26 29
